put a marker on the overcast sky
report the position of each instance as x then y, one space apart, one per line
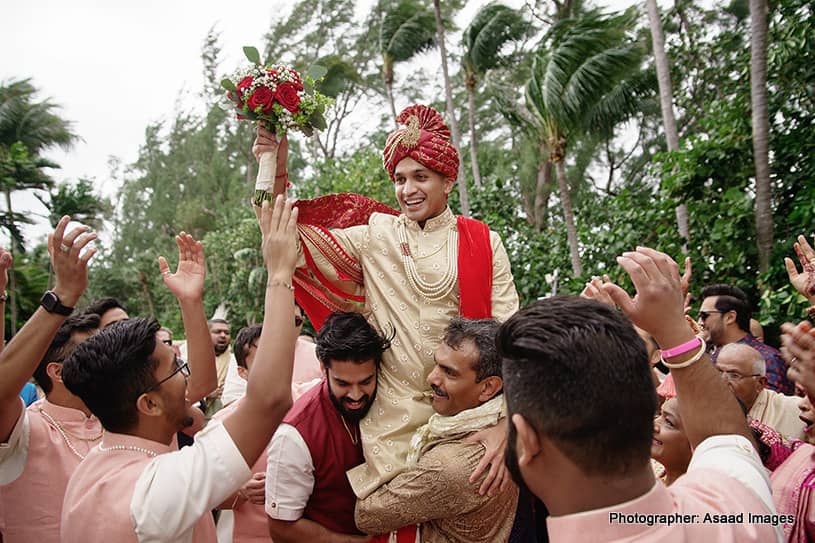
116 67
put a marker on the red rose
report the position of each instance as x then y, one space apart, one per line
287 96
263 97
245 83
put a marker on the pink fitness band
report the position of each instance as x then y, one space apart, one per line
680 349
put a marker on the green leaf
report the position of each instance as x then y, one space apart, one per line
318 121
251 54
228 85
317 72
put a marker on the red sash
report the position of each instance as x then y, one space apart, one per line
319 297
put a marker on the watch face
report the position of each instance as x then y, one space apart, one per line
49 301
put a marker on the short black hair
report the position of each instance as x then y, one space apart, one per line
101 306
482 333
578 372
731 298
62 346
246 336
112 369
348 336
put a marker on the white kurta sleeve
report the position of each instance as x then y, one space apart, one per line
289 475
177 488
14 452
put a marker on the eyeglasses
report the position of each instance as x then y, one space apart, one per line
703 315
735 376
298 321
180 366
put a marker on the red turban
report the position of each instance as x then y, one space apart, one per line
425 139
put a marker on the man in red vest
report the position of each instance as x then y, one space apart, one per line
308 496
416 270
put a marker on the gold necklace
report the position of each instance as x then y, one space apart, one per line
353 439
64 433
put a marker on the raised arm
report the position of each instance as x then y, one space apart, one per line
658 309
268 391
804 281
25 350
5 263
187 285
266 142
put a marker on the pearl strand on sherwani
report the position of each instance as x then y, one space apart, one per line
127 448
64 434
432 291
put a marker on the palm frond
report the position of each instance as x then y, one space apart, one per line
406 30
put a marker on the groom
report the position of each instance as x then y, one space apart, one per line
414 271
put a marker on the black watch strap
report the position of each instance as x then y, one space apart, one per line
51 303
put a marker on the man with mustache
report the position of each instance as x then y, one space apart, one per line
308 496
435 490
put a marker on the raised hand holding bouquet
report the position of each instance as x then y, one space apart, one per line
280 99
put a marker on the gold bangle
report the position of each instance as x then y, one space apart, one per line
686 363
237 497
271 284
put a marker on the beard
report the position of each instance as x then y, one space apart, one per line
352 415
221 349
511 459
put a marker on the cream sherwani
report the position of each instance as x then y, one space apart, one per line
779 412
401 404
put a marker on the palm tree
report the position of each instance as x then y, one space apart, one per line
406 31
491 29
761 131
464 198
666 104
26 128
586 78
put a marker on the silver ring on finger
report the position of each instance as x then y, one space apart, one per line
64 248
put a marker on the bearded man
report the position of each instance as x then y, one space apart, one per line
414 271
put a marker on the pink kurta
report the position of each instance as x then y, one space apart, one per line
36 466
130 495
793 483
250 519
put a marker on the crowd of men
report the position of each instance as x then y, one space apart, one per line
428 408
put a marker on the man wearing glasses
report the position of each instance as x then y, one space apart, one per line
725 317
744 370
134 486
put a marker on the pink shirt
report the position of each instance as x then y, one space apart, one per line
35 466
250 519
134 489
707 504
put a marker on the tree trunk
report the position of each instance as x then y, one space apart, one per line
761 131
451 113
568 216
387 77
12 283
473 143
543 190
666 104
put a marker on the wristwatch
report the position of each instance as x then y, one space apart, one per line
50 302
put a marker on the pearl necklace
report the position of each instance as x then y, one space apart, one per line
64 433
148 452
441 288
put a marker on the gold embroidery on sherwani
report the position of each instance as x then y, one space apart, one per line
400 405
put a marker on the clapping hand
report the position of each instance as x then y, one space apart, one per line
804 282
69 262
187 283
594 291
798 348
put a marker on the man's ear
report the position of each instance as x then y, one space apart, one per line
528 443
490 386
149 404
54 371
449 183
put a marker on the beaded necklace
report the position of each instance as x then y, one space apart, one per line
127 448
64 433
441 288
